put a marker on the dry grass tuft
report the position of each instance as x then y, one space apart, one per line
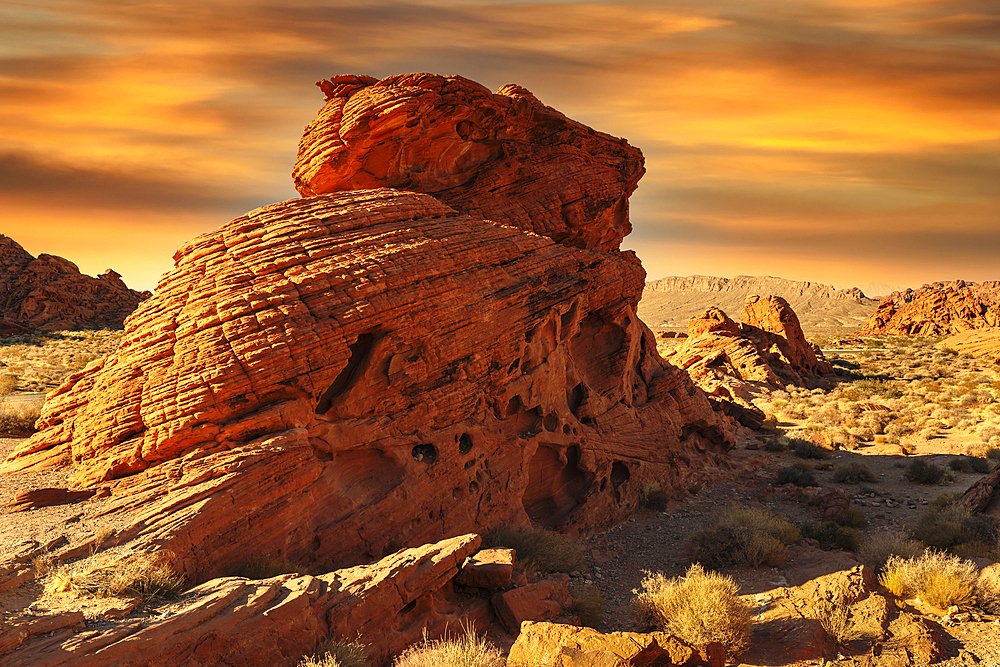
468 650
880 545
854 472
700 607
839 623
588 604
19 418
144 575
743 536
938 578
338 654
537 549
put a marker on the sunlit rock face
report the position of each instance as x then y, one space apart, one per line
48 293
937 309
503 156
331 378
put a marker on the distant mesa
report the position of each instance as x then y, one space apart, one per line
671 302
937 309
735 363
333 378
49 293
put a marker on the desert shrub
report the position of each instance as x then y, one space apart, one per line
838 622
263 566
993 453
831 535
467 650
807 450
8 384
796 476
145 575
854 472
922 472
970 464
945 524
338 654
936 577
652 497
588 604
700 607
742 536
881 544
778 443
988 596
19 418
537 548
851 516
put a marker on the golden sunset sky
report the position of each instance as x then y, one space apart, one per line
837 141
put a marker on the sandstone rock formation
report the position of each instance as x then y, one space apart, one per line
273 622
333 378
735 363
983 343
672 301
49 293
505 156
937 309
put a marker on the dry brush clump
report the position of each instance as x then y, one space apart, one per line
466 650
338 653
103 575
880 545
41 361
936 577
537 549
18 419
699 607
742 536
947 525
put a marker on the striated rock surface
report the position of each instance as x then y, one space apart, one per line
273 622
983 343
735 363
937 309
672 301
984 494
49 293
330 379
503 156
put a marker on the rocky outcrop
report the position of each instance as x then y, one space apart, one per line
937 309
333 378
502 156
49 293
274 622
984 494
983 343
672 301
736 363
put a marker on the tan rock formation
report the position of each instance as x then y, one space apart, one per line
937 309
49 293
983 343
273 622
503 156
736 363
672 301
362 371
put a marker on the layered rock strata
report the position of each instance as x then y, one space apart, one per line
983 343
937 309
503 156
332 378
49 293
736 363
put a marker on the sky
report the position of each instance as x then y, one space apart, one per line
838 141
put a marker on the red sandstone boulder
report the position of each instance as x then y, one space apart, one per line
503 156
771 318
489 569
937 309
540 601
49 293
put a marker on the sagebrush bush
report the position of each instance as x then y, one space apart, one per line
853 472
922 472
879 545
970 464
831 535
144 575
808 450
19 418
700 607
652 497
947 525
742 536
941 579
796 476
588 604
537 548
338 654
467 650
851 516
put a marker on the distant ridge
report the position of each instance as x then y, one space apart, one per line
939 308
670 302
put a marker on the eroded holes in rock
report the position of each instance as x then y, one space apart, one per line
604 483
464 443
514 365
425 453
473 487
619 474
566 320
363 476
527 422
599 352
575 398
408 608
566 429
456 493
551 422
470 463
556 485
514 406
348 376
430 515
588 421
